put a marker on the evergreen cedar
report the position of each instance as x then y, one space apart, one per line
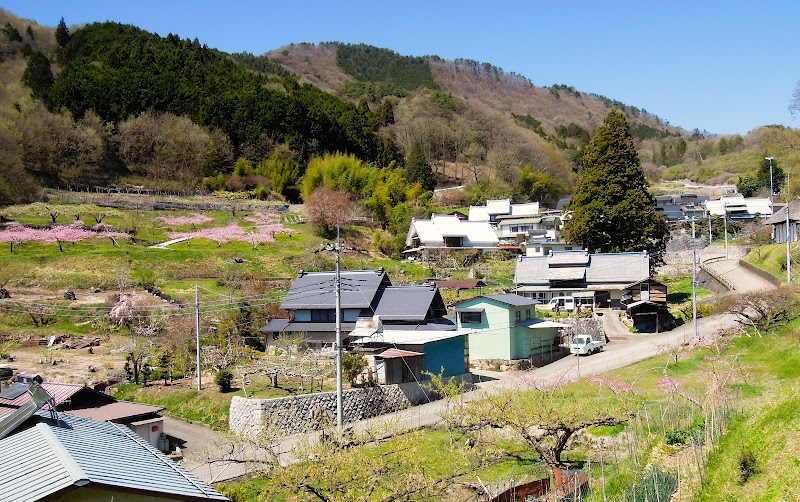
612 210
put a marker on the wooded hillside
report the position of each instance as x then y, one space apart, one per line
112 104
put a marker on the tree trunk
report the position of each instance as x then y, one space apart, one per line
558 477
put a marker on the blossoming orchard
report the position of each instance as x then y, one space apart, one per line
17 233
266 227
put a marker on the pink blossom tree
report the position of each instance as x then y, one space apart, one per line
17 233
179 221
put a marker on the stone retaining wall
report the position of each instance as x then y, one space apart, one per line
311 411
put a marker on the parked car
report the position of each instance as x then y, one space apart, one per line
584 344
566 303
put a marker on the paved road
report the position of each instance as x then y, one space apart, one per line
741 279
617 354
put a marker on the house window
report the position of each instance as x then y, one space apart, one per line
644 287
527 314
518 315
470 317
323 315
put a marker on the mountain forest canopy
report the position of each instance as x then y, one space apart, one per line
117 104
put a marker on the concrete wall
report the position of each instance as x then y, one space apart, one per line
310 411
775 281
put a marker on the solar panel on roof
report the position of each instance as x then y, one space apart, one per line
14 391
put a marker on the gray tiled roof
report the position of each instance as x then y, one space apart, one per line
47 456
317 290
602 268
566 258
566 274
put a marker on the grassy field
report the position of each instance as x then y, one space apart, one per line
772 258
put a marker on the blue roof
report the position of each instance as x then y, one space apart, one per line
46 456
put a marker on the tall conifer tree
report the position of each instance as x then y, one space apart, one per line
612 211
62 33
418 170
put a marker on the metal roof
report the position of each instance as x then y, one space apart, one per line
48 456
540 324
317 290
60 392
409 303
116 411
409 337
397 353
511 299
452 284
275 325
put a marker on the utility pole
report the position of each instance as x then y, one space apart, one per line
694 282
338 336
197 339
771 189
725 225
788 238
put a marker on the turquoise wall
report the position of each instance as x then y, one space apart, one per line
498 336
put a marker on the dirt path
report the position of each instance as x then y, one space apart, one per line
164 245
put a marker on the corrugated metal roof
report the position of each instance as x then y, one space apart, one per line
397 353
105 454
36 465
60 392
116 411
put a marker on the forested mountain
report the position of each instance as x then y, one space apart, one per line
110 103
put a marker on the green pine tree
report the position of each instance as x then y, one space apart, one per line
418 170
612 211
62 33
38 75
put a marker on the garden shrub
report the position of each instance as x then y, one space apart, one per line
224 380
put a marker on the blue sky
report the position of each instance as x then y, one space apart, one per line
724 67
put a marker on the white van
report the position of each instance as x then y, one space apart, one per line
566 303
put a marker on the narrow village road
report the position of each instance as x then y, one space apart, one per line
624 349
742 279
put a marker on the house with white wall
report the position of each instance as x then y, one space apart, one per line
449 232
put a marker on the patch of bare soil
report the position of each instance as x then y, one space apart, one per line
82 296
69 365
